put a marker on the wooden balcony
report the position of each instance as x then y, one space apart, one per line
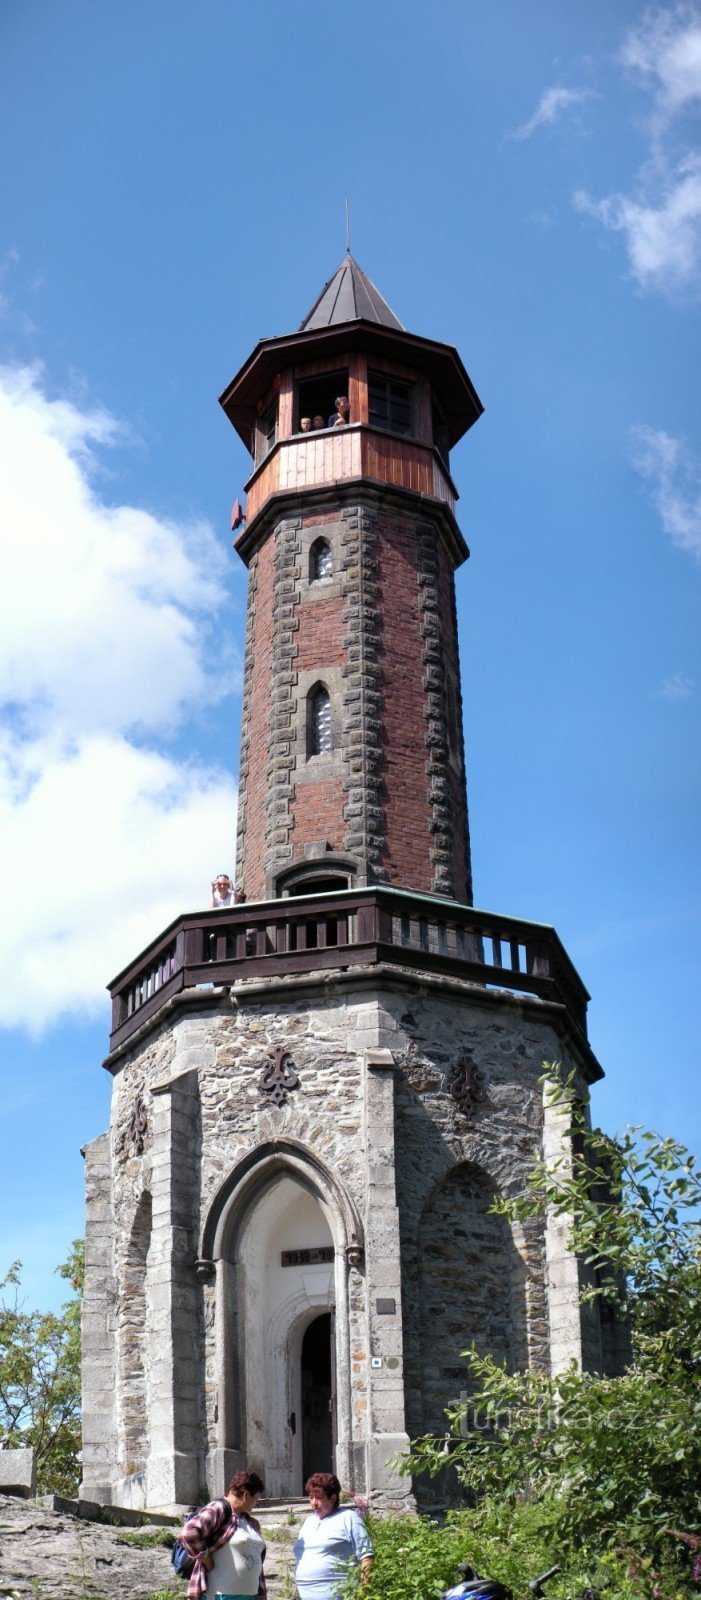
335 455
351 928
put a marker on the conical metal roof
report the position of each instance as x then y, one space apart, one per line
348 296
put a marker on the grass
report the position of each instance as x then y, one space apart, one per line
156 1538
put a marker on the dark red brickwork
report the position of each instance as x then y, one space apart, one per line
456 763
405 797
320 635
390 797
318 814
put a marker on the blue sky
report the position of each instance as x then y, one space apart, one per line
524 182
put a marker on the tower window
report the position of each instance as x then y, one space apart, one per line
389 403
316 397
267 431
319 732
320 561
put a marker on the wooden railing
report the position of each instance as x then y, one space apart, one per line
354 927
312 460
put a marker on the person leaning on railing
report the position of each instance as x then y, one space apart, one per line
341 416
221 893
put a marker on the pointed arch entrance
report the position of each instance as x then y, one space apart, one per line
281 1233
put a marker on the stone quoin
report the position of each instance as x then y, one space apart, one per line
319 1092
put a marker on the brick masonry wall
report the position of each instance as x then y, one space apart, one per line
318 814
381 635
450 780
406 798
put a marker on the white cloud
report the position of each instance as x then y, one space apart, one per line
674 475
101 607
678 687
553 103
105 612
661 217
663 235
664 51
104 844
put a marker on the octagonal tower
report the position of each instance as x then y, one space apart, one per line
352 762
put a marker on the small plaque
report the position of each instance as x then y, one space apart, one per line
376 1361
307 1258
386 1308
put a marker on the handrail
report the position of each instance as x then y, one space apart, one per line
311 933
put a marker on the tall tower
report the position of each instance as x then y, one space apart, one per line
351 544
319 1091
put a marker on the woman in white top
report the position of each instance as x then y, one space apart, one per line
226 1544
329 1538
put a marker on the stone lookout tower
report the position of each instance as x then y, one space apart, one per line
319 1091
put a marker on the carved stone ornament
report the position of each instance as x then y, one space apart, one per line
354 1255
138 1123
279 1078
205 1271
467 1086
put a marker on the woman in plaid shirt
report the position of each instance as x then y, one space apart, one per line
226 1544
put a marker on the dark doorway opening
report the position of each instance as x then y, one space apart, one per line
319 885
317 1398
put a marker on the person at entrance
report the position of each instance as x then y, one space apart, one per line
329 1538
226 1544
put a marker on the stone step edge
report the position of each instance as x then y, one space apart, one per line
116 1516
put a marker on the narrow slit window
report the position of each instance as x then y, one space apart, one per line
320 561
320 735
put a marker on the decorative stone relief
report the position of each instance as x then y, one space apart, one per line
138 1123
279 1078
467 1086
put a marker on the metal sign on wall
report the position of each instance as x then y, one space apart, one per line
306 1258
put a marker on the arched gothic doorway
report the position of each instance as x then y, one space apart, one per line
281 1233
286 1279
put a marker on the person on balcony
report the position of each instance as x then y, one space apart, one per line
305 425
318 422
341 416
222 893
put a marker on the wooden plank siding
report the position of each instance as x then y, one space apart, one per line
337 454
286 397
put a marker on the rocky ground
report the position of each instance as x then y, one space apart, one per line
54 1555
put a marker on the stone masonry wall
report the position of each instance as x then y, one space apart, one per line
464 1275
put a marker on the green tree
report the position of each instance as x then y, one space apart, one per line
618 1459
40 1377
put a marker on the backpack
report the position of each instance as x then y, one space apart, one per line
180 1559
